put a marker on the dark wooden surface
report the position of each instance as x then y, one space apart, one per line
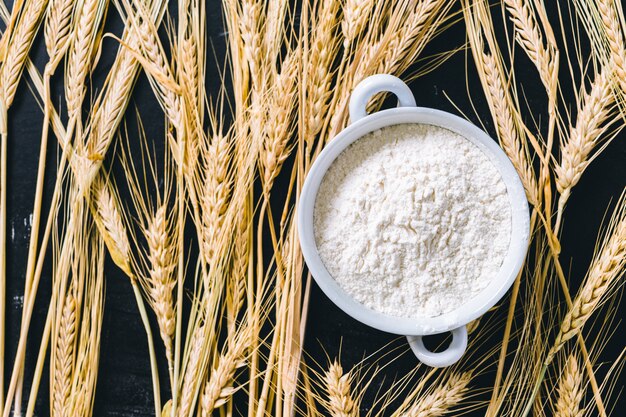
124 387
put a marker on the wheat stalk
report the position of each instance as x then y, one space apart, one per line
16 43
570 390
340 400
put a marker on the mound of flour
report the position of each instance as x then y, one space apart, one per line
412 220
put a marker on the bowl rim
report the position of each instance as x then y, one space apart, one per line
473 308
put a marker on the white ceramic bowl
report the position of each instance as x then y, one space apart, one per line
414 328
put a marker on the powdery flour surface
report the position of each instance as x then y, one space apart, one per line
412 220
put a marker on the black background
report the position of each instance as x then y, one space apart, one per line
124 386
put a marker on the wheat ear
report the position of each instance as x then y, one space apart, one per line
279 125
319 72
570 390
87 20
215 193
341 402
585 135
219 386
161 257
441 399
529 36
249 29
355 16
508 133
112 225
615 38
64 357
606 266
18 47
411 36
193 370
57 27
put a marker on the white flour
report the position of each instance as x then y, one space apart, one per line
412 220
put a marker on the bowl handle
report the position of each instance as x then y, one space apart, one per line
451 355
377 84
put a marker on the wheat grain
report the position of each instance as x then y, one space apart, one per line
444 397
506 127
606 267
340 400
570 390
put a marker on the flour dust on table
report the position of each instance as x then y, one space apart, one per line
412 220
